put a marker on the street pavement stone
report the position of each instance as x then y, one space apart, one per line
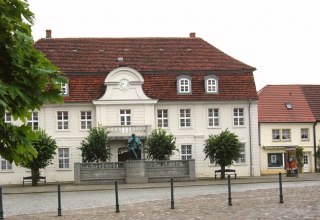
299 203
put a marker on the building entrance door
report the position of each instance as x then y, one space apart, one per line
306 163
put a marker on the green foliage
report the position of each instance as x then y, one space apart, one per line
299 158
160 145
318 153
46 149
96 147
222 149
27 79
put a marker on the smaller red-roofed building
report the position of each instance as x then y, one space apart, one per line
287 119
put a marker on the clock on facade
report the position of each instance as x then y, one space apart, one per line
124 84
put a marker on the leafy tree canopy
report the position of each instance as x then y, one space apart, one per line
96 147
27 79
160 145
46 149
222 149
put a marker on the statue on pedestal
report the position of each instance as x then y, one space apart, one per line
134 147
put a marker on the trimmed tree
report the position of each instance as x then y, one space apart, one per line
222 149
318 158
299 158
160 144
96 147
46 149
27 80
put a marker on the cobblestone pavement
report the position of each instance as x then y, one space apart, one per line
299 203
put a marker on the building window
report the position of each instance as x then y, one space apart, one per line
276 134
162 117
184 85
242 158
186 152
211 84
238 117
33 120
281 135
63 120
286 135
213 117
64 158
125 117
86 120
5 165
304 134
7 118
185 118
65 89
275 160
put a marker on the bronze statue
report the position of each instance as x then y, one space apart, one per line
134 145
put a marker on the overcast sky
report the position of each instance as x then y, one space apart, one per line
280 38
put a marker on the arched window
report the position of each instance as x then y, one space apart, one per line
184 85
211 84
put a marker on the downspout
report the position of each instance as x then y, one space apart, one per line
251 164
315 146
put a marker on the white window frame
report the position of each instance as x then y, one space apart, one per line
5 165
185 118
125 117
63 158
86 120
163 118
242 159
33 120
304 134
186 151
7 118
184 85
238 117
63 122
213 119
211 84
65 89
281 134
276 134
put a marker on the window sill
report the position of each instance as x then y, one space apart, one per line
214 127
62 169
6 171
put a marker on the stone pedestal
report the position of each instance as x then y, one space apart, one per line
135 171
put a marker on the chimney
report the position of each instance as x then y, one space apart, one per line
120 62
48 33
192 35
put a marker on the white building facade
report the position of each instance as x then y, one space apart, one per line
128 97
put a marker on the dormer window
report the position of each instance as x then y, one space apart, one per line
289 105
211 84
184 85
65 89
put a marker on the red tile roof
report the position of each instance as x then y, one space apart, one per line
272 104
93 55
87 61
312 94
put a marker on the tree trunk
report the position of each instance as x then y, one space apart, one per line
223 174
35 174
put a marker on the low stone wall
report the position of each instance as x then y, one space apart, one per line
99 173
134 171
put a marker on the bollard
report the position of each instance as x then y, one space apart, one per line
280 186
229 191
117 199
59 201
172 196
1 206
